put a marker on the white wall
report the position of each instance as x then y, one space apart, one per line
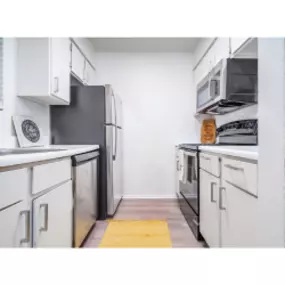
13 104
157 94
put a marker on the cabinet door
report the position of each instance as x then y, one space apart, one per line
77 63
52 217
89 76
202 69
60 68
220 50
237 43
238 217
15 226
209 208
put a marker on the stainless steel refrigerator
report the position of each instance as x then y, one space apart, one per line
94 116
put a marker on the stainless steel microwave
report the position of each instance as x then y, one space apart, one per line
230 85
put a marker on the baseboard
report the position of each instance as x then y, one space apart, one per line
126 197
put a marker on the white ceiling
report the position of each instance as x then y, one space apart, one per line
144 44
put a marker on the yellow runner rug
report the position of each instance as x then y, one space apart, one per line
136 234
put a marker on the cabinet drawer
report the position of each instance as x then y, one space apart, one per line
50 174
210 163
14 186
240 174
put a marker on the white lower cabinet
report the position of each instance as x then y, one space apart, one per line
238 217
229 204
209 208
52 218
15 226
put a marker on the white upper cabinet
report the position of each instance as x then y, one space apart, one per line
89 74
237 43
220 49
44 70
77 63
202 69
244 47
60 67
80 66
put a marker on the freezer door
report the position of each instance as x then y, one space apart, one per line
110 105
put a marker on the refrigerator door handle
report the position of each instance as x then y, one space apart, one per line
116 132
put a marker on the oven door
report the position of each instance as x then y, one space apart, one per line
189 185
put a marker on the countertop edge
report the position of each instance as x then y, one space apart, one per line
247 154
18 159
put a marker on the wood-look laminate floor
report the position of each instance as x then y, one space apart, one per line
168 209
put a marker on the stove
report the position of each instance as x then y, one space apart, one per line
236 133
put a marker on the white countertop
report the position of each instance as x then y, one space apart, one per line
69 150
249 152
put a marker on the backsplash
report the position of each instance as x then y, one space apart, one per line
12 103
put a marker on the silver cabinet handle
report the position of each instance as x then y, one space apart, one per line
233 167
27 237
45 227
221 200
195 222
212 192
56 84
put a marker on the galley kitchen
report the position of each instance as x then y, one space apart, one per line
138 142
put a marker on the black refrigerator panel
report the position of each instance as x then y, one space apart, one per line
81 123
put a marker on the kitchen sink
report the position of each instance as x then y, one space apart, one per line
9 151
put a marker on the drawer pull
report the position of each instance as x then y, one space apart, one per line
195 222
27 215
45 227
212 192
233 167
221 200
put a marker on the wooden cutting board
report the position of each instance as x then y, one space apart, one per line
208 131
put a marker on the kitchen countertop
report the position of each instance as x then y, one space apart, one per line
69 150
242 151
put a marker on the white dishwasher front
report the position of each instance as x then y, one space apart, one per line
85 193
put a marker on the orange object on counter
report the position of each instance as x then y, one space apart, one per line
208 131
